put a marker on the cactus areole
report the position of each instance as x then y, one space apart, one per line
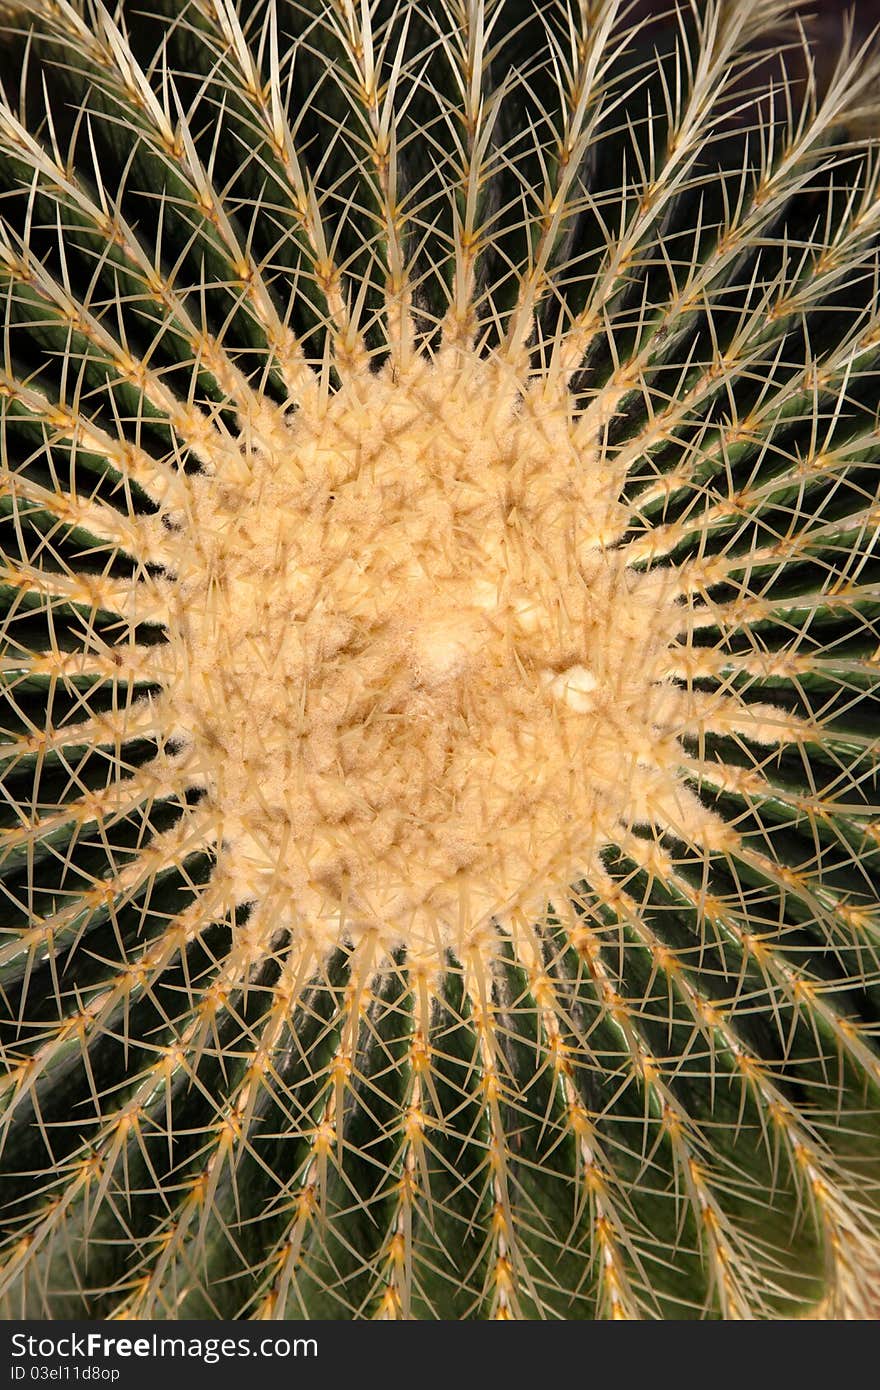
439 614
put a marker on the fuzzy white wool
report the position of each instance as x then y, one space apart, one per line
421 693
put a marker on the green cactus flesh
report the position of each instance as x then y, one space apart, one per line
439 842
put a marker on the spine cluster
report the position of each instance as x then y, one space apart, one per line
439 650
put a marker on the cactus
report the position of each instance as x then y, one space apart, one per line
439 852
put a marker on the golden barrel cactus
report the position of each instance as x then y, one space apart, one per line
439 844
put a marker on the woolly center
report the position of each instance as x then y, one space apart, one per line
422 687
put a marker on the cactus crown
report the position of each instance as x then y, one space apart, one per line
439 484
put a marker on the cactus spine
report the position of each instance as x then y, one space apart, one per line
440 838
